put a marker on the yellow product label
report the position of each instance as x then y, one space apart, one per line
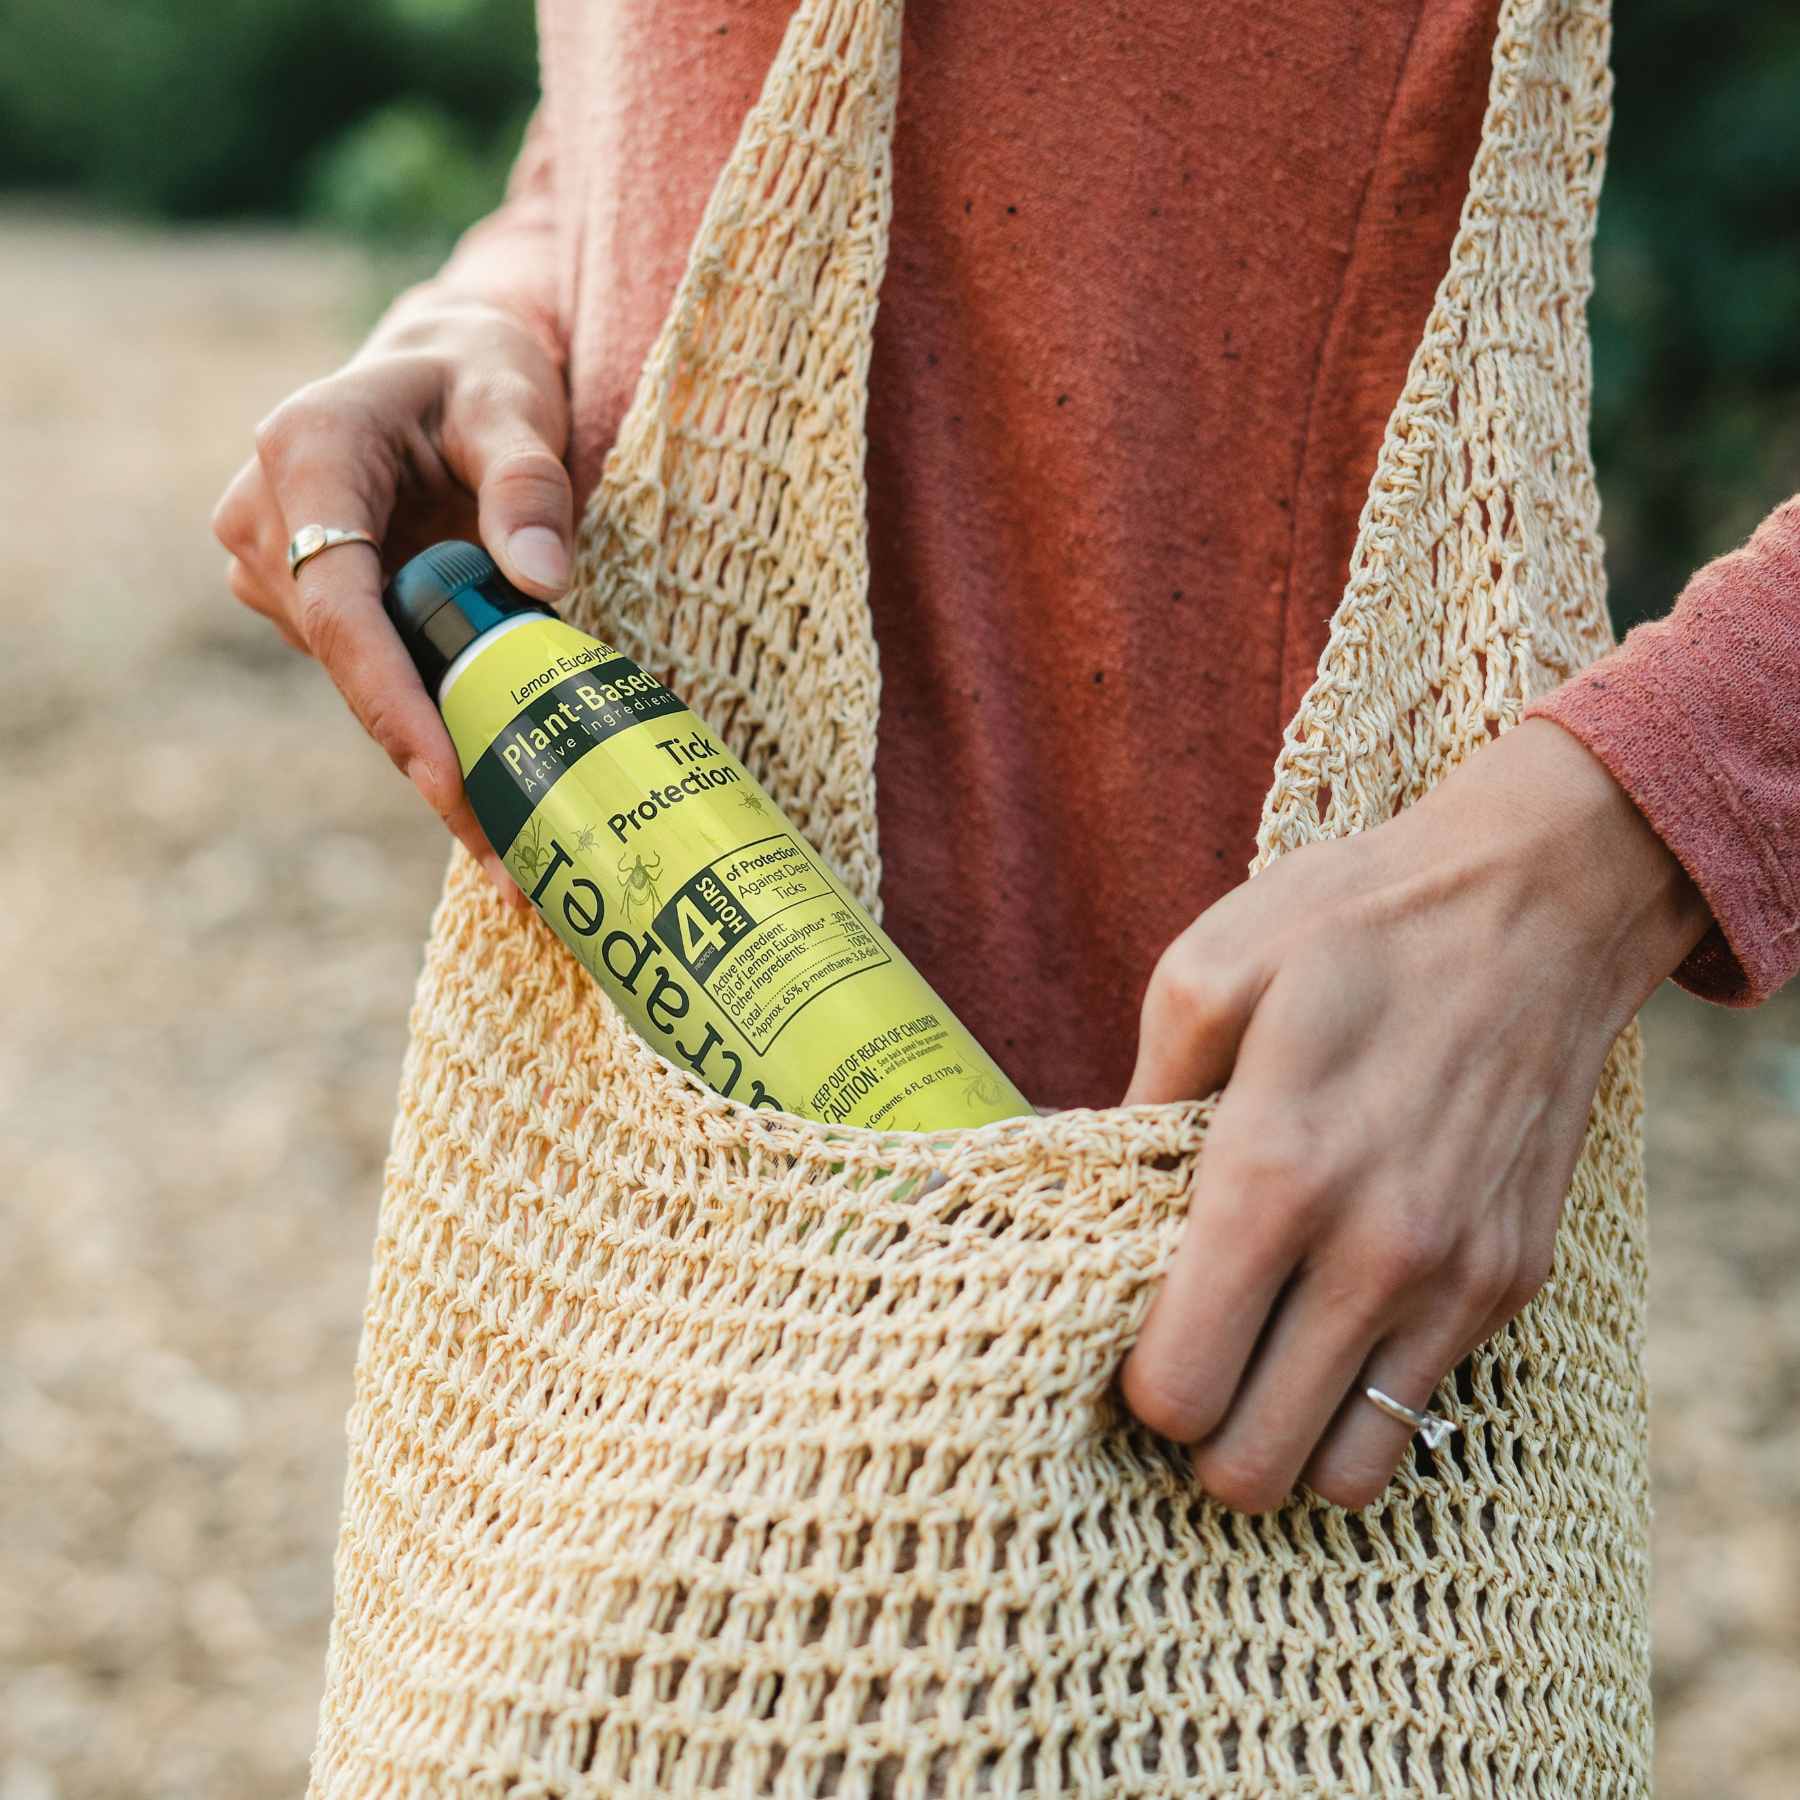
684 891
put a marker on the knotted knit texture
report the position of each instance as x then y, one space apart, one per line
698 1451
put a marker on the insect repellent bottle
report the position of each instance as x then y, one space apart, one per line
671 875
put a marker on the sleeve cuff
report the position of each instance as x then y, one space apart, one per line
1627 710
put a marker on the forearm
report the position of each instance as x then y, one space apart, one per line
1697 717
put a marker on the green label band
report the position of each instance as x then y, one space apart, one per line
553 733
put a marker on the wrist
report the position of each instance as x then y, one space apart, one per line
1581 858
434 316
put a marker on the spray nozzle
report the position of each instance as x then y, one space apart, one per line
444 599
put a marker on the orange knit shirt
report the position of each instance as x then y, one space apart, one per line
1155 275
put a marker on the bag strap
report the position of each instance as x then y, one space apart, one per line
1477 580
725 544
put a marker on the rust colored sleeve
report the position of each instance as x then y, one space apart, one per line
1697 716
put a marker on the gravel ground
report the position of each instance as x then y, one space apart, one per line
211 901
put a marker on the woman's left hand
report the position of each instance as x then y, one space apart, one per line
1409 1026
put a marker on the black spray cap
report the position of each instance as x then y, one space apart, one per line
444 599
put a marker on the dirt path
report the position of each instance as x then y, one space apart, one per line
211 902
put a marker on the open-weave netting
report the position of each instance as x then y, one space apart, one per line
702 1451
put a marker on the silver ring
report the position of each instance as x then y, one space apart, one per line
1429 1426
309 540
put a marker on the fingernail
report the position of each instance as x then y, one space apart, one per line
538 554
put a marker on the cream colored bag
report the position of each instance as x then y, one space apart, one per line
698 1451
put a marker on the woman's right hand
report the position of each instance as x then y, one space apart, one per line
453 415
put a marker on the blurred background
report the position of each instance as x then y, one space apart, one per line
213 890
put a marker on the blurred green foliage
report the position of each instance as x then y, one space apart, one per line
396 120
409 176
393 118
1696 311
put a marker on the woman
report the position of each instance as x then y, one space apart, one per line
1155 276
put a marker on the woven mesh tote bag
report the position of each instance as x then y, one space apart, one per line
697 1451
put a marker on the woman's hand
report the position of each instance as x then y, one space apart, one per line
1409 1026
453 415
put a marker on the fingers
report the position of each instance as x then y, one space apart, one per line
1241 1241
1297 1409
1255 1209
248 524
1307 1362
1396 1309
339 617
1195 1010
1302 1251
504 436
343 626
1268 1389
467 401
1382 1174
1270 1303
246 589
320 464
1357 1455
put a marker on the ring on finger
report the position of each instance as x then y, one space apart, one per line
1429 1425
310 540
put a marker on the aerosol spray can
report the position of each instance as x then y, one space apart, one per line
672 876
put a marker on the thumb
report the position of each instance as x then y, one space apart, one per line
1195 1012
525 504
